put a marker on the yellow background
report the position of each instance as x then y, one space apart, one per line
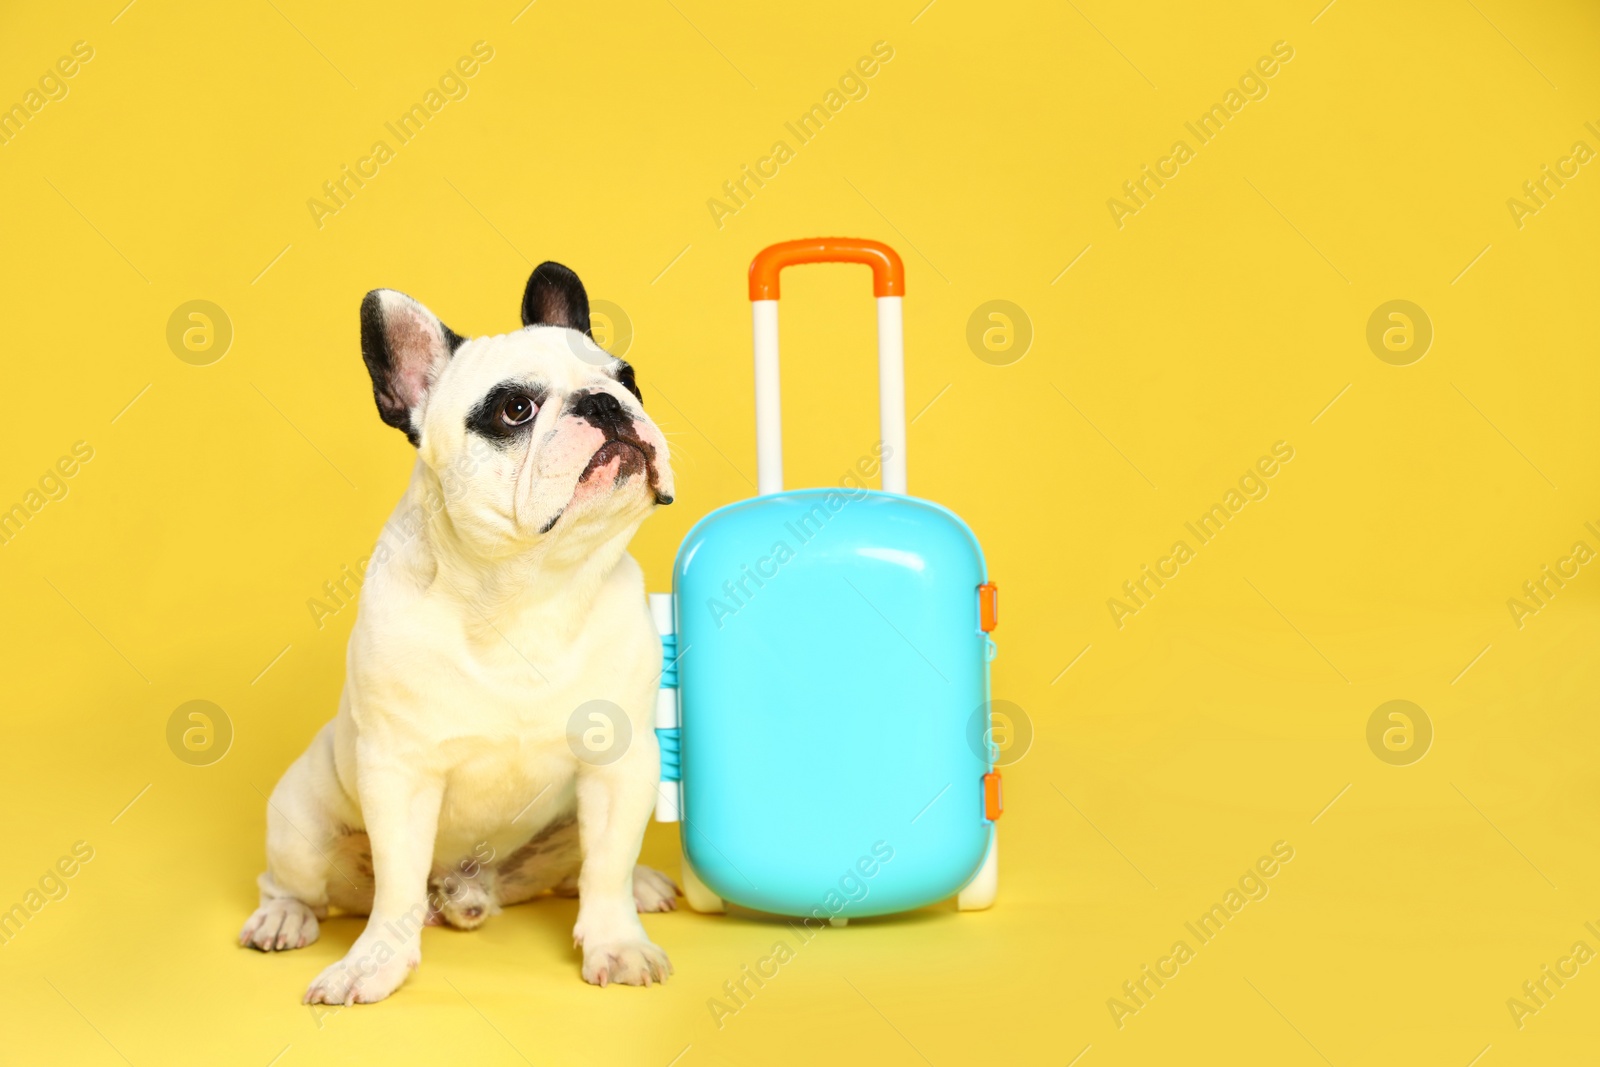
1223 317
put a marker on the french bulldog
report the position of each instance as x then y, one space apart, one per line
501 618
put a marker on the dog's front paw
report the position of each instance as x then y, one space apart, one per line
365 976
628 962
282 923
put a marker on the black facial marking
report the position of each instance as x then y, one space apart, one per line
555 297
624 375
504 413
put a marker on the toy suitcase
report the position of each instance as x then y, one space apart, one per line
823 718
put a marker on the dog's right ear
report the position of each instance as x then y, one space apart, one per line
405 347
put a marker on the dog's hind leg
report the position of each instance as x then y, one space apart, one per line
654 891
309 852
550 862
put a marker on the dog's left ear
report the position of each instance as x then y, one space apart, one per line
555 297
405 347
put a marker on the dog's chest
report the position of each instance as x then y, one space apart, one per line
502 792
488 713
472 689
492 707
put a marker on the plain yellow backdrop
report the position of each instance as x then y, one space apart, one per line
1171 347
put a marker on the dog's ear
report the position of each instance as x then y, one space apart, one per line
555 297
405 347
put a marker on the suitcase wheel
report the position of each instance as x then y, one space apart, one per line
981 891
699 895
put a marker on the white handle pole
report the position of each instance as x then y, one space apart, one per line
769 413
891 396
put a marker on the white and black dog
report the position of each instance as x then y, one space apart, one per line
500 601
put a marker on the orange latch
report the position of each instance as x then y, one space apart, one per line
988 607
991 796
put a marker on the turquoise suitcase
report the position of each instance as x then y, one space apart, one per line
824 719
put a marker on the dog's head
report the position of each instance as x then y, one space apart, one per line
531 434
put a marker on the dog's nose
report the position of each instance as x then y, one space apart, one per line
600 409
473 912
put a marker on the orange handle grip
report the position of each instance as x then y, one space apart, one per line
888 272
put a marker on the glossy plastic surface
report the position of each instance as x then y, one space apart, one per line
830 668
888 272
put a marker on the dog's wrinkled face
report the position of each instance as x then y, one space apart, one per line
532 434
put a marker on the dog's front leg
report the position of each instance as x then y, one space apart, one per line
614 803
401 812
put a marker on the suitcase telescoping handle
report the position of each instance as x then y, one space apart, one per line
889 286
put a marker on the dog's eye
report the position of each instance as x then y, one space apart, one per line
518 409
